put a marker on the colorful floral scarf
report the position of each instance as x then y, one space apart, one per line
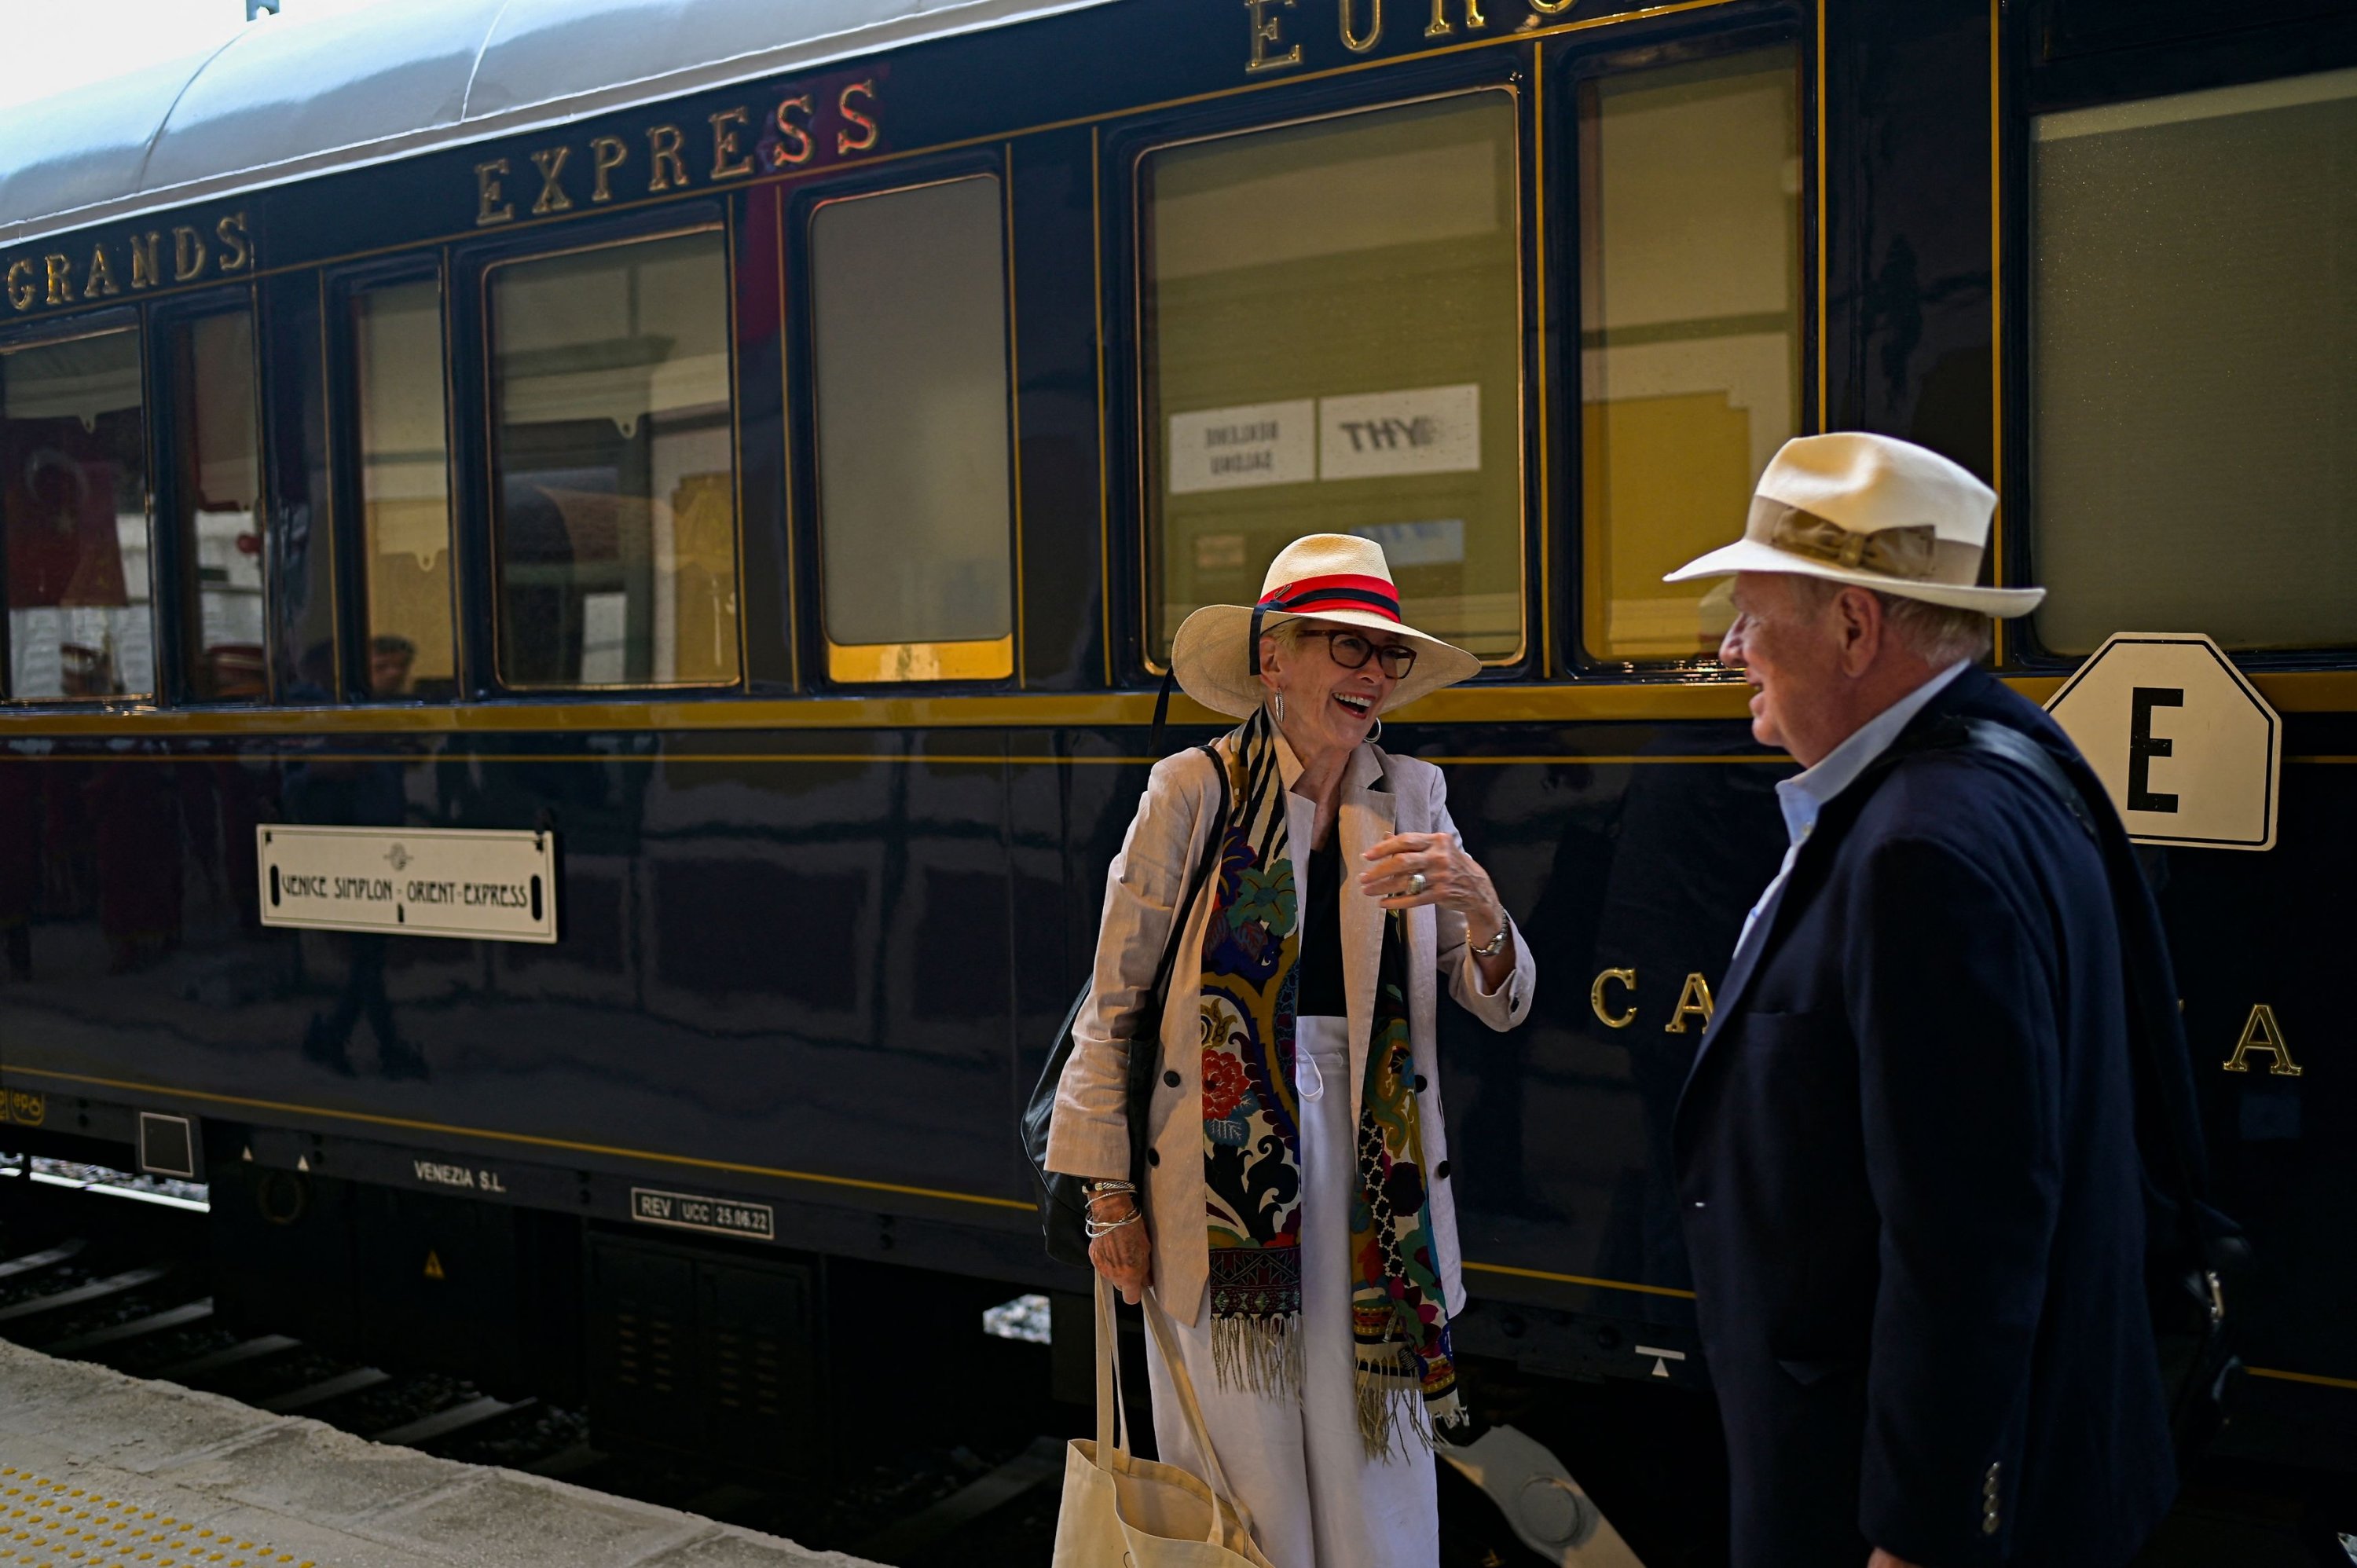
1251 1138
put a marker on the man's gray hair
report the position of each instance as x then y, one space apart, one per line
1937 634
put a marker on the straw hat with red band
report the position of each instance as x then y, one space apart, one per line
1333 578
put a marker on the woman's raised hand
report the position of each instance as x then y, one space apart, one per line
1452 878
1124 1256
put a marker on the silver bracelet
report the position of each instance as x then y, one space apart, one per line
1093 1227
1495 945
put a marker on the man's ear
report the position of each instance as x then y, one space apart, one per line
1859 621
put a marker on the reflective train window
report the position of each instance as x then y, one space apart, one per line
616 467
1690 331
1331 335
404 482
2193 327
74 513
915 513
217 458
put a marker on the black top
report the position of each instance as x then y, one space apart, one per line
1318 972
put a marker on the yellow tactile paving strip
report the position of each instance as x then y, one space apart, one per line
55 1524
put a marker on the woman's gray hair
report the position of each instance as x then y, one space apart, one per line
1938 635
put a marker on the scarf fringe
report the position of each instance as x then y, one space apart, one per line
1389 1409
1258 1355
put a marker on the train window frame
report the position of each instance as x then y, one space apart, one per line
178 610
1573 65
341 289
1410 84
974 665
481 667
2031 84
100 324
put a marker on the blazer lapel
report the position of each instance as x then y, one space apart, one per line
1369 814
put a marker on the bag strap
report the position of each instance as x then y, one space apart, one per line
2148 1052
1184 1387
1142 1064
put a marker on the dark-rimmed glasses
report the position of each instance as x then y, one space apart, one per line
1352 652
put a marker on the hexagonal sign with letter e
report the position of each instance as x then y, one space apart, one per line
2188 748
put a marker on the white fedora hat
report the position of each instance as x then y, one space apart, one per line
1873 510
1331 577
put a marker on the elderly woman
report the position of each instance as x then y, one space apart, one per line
1297 1222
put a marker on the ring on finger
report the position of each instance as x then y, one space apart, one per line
1416 883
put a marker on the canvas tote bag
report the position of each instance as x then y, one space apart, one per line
1121 1511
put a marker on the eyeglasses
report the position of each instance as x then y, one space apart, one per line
1352 652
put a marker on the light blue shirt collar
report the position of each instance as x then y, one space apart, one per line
1805 795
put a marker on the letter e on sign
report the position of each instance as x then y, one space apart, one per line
2187 748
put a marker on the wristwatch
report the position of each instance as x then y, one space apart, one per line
1496 944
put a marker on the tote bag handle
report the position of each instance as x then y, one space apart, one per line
1109 1400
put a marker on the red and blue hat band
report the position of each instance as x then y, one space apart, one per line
1311 596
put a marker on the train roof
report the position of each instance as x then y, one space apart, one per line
354 83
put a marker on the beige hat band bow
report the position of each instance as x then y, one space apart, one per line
1912 553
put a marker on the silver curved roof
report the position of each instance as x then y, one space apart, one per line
355 83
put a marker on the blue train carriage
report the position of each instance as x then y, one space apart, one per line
699 497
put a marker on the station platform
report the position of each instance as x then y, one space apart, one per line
98 1469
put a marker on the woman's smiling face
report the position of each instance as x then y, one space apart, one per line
1327 706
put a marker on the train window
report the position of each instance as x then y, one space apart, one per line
617 555
73 510
2192 322
217 455
1690 331
915 510
404 471
1332 342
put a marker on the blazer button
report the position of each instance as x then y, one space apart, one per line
1440 1171
1153 1156
1171 1077
1421 1083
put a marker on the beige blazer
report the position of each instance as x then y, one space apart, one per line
1089 1133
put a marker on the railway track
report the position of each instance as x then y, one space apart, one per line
98 1267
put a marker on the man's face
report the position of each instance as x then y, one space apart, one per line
1787 645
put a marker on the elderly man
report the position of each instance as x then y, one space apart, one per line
1906 1153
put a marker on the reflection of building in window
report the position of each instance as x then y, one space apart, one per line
908 304
2194 327
73 508
1690 340
1333 344
617 528
404 489
218 499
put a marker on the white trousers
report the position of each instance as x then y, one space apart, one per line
1316 1499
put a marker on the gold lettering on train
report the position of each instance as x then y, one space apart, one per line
144 271
1694 1001
237 250
550 162
2262 1033
1552 7
60 276
1266 35
187 254
607 154
24 1109
1358 43
101 281
491 207
662 153
1603 1008
22 290
728 162
1440 27
781 157
845 142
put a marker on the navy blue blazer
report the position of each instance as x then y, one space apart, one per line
1908 1171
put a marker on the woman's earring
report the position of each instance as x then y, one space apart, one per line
1377 733
1277 707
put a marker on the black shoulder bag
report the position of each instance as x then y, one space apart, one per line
1062 1205
2192 1247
